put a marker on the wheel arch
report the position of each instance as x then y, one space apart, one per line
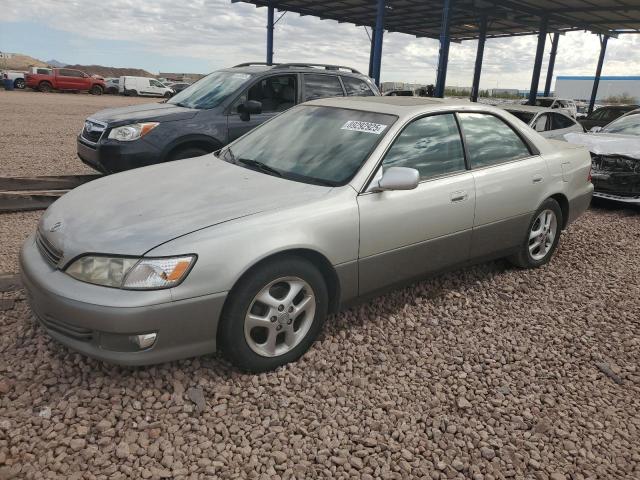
563 201
191 141
314 257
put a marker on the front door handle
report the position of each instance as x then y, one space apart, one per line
459 196
537 178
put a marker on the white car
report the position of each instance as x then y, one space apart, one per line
549 123
143 86
17 77
567 106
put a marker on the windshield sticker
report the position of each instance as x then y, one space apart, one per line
367 127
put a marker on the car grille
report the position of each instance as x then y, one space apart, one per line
50 253
77 333
92 131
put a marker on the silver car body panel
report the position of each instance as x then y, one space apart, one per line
233 218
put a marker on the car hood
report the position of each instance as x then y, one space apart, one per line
607 143
132 212
145 112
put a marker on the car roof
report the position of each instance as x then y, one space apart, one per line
528 108
400 106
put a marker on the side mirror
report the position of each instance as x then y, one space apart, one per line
595 129
249 107
397 178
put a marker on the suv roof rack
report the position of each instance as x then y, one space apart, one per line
316 65
251 64
294 65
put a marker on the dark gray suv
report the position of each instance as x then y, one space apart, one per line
210 113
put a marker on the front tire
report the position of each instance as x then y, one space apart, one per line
542 236
273 315
96 90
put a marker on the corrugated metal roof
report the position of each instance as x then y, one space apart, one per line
506 18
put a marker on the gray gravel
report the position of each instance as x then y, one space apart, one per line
485 373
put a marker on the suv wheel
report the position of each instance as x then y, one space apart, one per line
45 87
19 83
188 152
273 315
96 90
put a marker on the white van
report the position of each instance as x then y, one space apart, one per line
143 86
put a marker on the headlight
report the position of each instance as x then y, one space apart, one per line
132 273
127 133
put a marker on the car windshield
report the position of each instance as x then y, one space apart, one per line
210 91
627 125
526 117
544 102
312 144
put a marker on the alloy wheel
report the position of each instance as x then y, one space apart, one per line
542 234
279 316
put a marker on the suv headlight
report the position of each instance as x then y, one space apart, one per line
132 273
127 133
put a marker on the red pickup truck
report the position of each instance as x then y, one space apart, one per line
65 79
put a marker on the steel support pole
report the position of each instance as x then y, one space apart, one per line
552 63
475 88
445 40
596 81
537 65
270 12
373 38
377 42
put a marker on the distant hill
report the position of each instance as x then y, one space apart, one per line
20 62
111 71
56 63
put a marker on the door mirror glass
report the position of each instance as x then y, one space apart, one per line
248 108
397 178
595 129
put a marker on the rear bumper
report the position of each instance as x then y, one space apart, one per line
632 200
184 328
112 157
579 204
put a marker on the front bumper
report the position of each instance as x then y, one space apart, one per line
110 156
184 328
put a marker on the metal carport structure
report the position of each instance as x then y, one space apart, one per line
460 20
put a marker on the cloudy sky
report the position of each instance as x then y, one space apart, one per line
202 35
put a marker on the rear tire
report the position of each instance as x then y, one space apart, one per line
189 152
96 90
45 87
132 93
248 335
19 83
542 237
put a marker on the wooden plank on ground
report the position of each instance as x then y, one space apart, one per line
62 182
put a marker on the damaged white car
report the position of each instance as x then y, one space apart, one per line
615 155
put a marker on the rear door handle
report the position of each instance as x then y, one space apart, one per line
460 196
537 178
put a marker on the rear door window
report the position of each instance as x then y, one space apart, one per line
321 86
490 141
560 121
356 87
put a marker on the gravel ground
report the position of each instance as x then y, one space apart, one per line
38 130
486 373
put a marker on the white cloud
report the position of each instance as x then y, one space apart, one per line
223 34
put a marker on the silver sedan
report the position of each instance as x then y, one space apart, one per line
249 249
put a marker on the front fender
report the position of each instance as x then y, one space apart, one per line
328 226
